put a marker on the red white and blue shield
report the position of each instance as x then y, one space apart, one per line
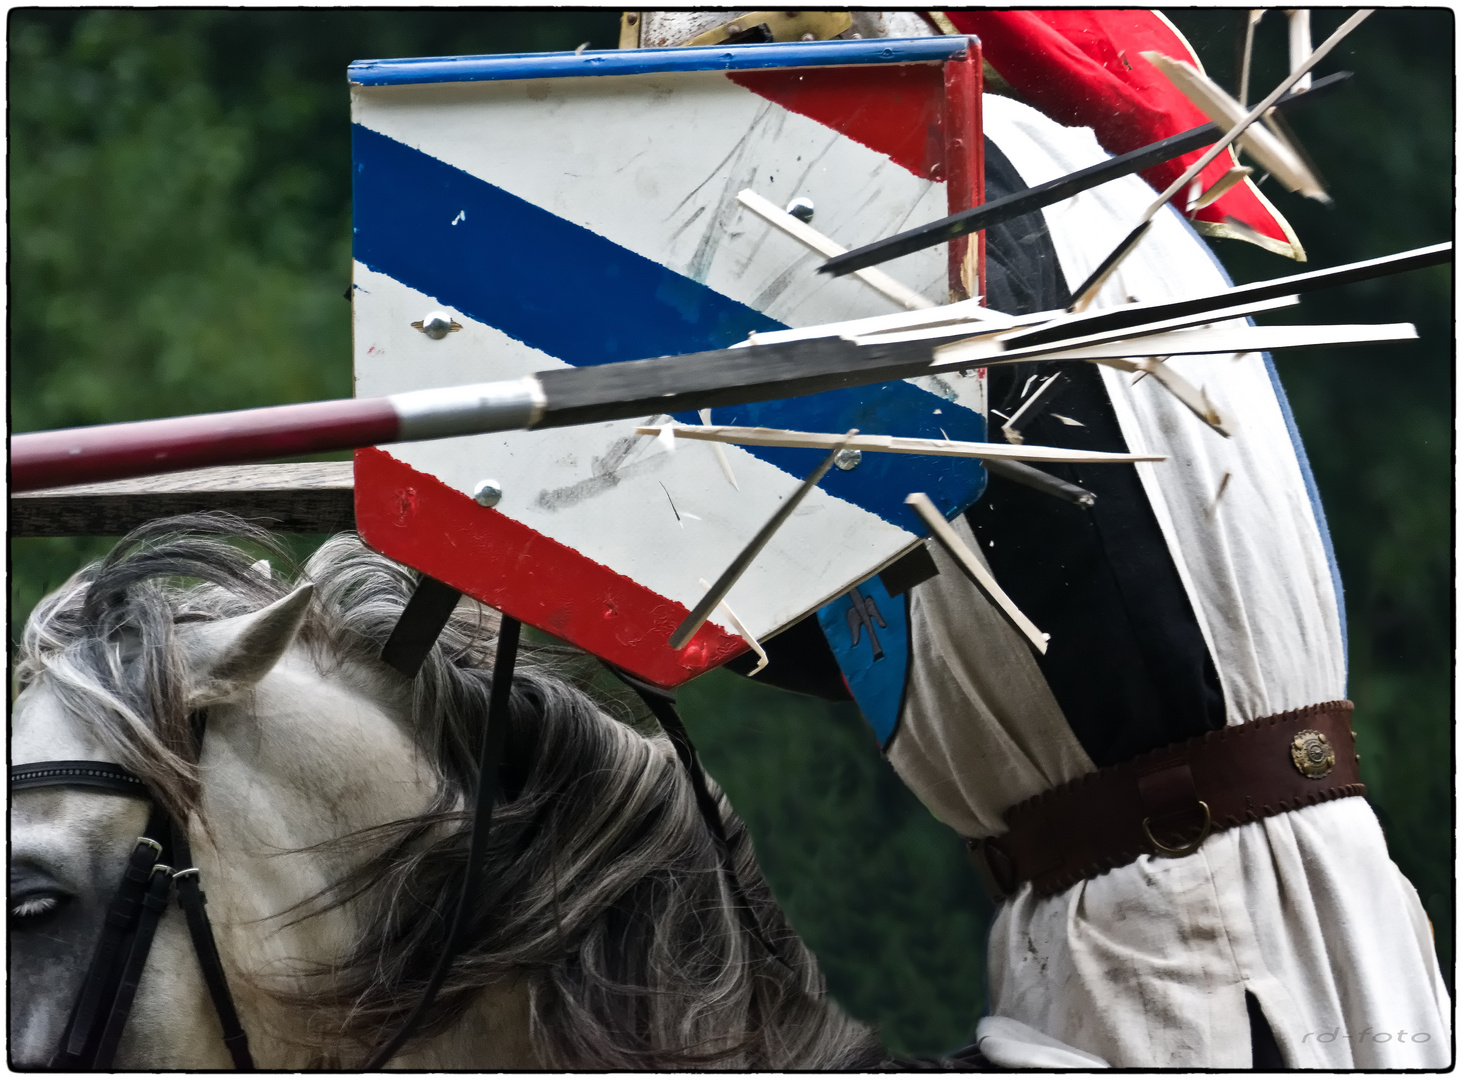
577 209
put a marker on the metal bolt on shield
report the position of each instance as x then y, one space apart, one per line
487 493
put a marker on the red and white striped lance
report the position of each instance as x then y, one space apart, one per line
114 451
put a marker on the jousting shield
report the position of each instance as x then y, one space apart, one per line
576 209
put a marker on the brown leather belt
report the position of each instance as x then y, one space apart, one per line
1168 801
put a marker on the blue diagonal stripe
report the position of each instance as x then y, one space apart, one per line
577 296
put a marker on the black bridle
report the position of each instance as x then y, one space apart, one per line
105 999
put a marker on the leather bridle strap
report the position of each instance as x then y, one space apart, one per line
97 1000
100 1014
98 774
192 900
489 757
154 903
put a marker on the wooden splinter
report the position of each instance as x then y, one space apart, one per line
893 444
721 459
693 622
1032 407
1220 188
1089 288
1258 110
1193 398
809 237
1255 14
1270 149
982 577
746 635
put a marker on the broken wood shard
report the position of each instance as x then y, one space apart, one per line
1142 374
1070 329
971 564
1032 407
746 635
1199 341
560 397
1147 313
893 444
1271 151
810 237
946 316
1031 477
1013 346
693 622
1257 111
1194 398
1255 14
1222 187
721 459
1299 44
1053 191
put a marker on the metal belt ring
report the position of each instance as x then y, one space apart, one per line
1186 849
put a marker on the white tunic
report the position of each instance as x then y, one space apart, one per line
1147 965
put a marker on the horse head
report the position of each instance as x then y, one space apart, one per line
323 799
291 760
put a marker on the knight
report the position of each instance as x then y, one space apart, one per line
1167 802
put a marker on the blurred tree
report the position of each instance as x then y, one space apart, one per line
180 241
879 890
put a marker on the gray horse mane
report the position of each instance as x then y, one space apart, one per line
602 885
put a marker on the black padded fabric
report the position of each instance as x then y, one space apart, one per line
1127 662
800 660
1021 271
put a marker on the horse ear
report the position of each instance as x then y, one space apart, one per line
227 657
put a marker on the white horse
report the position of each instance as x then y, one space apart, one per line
324 814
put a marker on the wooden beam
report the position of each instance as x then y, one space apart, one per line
310 497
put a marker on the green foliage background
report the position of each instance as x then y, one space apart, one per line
180 241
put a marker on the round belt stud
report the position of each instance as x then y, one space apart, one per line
1313 755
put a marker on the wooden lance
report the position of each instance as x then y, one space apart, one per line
635 389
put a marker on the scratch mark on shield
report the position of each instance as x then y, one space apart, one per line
674 511
687 223
903 219
734 154
700 262
607 472
630 162
796 188
778 285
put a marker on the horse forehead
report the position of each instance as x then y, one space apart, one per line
77 834
314 751
335 712
43 729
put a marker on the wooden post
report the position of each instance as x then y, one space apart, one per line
313 497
